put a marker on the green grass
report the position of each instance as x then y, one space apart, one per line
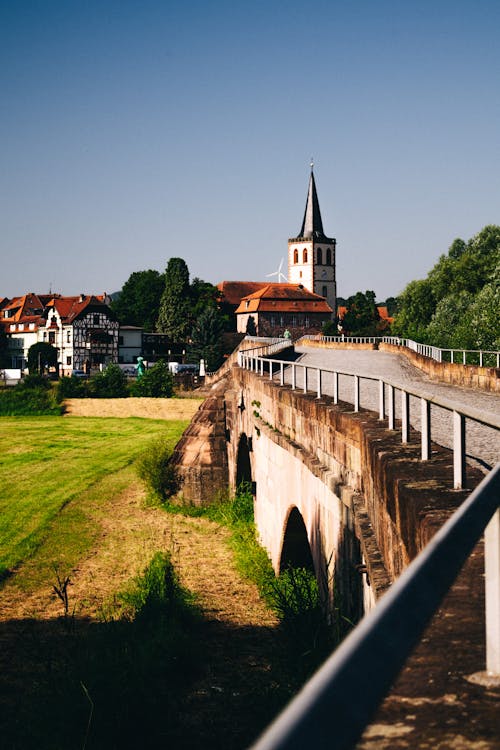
48 462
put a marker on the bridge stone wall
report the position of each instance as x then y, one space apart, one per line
470 376
369 504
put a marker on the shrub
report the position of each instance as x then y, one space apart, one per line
33 396
157 382
156 471
70 387
111 383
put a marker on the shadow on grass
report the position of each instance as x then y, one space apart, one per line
198 684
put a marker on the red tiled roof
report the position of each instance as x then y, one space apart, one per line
284 298
234 291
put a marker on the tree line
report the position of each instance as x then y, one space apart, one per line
168 303
458 304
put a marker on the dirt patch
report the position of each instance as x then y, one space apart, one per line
150 408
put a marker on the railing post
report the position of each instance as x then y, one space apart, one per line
381 399
270 369
262 367
390 408
293 377
492 583
319 381
405 421
356 393
305 378
335 387
425 428
464 356
282 373
458 450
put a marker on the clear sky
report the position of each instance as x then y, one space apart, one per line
132 132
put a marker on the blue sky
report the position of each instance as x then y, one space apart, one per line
132 132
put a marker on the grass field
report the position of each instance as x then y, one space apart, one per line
48 462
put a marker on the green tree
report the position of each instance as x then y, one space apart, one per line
41 356
361 318
111 383
174 318
139 300
450 326
157 382
206 339
416 308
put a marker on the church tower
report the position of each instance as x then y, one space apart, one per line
311 255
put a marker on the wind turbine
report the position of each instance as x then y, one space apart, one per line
278 273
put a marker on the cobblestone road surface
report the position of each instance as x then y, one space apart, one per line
482 443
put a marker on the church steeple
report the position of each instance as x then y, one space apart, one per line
311 255
312 226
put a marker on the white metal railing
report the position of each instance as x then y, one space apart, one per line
481 357
331 710
313 380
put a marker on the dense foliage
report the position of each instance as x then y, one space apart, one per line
41 356
139 299
157 382
458 304
175 308
362 316
32 396
206 339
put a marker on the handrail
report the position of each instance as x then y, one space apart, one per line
256 363
426 350
331 704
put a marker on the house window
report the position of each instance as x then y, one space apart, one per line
68 337
96 320
306 322
45 335
328 256
294 320
320 256
273 320
295 256
52 337
282 320
304 256
68 360
120 340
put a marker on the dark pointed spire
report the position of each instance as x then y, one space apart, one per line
312 226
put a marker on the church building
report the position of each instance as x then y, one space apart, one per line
309 297
311 255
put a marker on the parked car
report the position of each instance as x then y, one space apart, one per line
79 374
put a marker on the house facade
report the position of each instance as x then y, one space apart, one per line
83 329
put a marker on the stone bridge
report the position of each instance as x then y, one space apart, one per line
335 490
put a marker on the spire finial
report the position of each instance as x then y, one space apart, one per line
312 164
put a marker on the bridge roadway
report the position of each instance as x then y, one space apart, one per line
482 443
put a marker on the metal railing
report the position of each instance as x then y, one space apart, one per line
312 379
481 357
332 710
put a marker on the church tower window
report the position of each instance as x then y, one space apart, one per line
320 256
295 256
328 256
304 256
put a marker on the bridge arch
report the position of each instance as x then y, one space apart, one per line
243 463
295 550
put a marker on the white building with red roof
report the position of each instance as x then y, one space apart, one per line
83 329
